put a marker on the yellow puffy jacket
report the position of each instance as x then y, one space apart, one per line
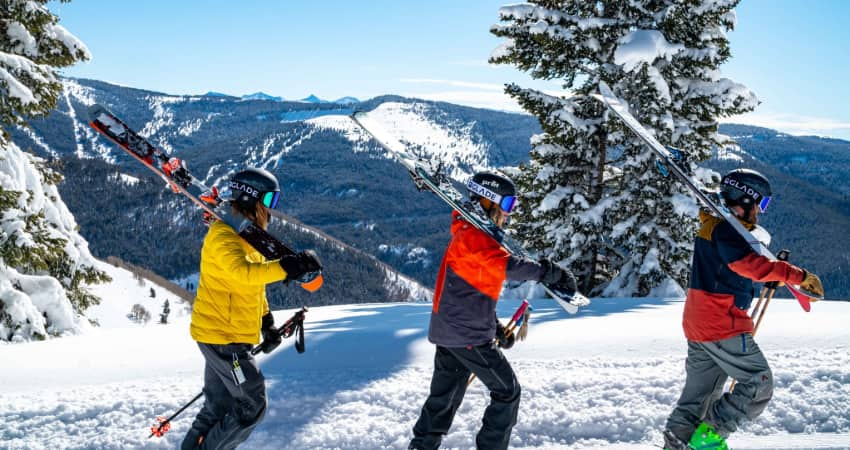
231 298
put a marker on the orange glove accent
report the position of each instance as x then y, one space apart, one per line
812 283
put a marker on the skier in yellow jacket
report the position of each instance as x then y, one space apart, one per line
230 314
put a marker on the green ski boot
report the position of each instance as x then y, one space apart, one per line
706 438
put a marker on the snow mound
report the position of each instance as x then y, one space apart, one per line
605 378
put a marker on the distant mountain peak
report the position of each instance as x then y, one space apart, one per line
262 96
313 99
215 94
347 100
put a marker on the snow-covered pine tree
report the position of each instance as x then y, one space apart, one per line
560 214
44 263
662 56
33 45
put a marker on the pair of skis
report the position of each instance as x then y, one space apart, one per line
426 178
175 173
671 163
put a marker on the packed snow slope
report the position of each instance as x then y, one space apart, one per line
605 378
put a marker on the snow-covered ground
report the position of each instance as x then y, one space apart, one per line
605 378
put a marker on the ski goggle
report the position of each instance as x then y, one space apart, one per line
763 203
506 202
271 199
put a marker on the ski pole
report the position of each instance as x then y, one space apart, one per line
165 424
515 321
766 295
293 325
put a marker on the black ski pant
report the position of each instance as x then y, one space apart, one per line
231 410
452 367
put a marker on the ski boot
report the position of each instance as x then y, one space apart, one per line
706 438
672 442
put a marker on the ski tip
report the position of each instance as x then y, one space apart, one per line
805 303
314 284
579 299
811 295
569 302
802 297
567 306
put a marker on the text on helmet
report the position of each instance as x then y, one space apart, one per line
744 188
483 191
235 185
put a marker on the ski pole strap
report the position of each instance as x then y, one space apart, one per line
295 326
299 339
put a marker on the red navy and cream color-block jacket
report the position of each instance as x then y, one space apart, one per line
722 274
469 284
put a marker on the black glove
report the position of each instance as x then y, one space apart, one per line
271 336
298 265
504 337
555 276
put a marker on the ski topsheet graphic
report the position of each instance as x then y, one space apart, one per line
174 172
426 178
670 162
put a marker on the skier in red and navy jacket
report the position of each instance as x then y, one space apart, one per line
717 325
464 325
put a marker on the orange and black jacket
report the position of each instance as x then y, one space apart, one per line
722 274
468 286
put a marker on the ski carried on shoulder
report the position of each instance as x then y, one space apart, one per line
427 178
670 162
174 172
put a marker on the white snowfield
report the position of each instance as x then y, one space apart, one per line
603 379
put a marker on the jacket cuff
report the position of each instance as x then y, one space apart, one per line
796 275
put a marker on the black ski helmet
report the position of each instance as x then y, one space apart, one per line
496 188
252 185
745 188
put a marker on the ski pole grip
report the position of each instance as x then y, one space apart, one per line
520 311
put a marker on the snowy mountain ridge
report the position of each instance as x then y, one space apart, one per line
457 148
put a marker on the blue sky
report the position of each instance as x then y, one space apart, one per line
787 51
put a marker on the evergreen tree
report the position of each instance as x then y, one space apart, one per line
41 254
591 185
32 47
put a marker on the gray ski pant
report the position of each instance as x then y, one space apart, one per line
231 411
452 367
708 366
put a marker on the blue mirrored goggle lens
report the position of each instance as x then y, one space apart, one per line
270 199
508 203
763 203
